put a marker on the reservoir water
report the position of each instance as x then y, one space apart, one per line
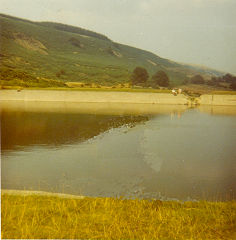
129 150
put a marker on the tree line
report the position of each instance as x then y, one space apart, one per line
140 77
229 79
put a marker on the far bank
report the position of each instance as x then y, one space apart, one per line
115 97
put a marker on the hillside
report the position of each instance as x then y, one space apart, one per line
50 54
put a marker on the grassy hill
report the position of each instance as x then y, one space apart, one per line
43 54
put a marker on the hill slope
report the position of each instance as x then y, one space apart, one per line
46 53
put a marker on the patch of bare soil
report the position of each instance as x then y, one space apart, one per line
30 43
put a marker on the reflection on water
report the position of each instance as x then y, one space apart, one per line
37 128
218 110
109 150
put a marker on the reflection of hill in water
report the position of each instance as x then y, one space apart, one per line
36 128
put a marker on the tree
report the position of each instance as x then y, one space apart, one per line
197 79
233 86
139 76
160 78
228 78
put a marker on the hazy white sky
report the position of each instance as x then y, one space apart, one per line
190 31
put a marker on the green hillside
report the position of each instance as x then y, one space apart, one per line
50 54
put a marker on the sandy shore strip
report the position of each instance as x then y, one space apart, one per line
92 97
39 193
115 97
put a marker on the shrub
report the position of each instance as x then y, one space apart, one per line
197 79
75 42
61 72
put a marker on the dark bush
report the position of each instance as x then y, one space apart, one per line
61 72
75 42
197 79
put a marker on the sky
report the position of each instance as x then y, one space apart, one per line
201 32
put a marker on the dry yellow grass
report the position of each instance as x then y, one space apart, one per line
108 218
223 92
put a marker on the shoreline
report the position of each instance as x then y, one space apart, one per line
116 97
92 97
26 193
15 192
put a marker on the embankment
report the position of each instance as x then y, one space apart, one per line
91 96
217 100
114 97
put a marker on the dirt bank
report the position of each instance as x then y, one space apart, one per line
114 97
92 96
217 100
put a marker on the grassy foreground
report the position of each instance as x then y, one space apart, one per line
36 216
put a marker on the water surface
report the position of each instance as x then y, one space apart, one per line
132 150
